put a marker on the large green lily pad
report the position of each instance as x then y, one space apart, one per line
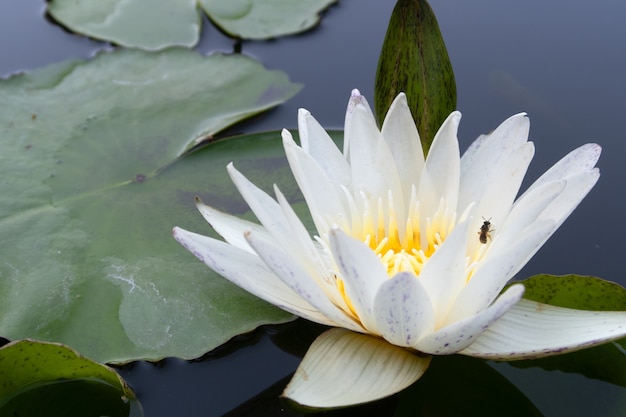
158 24
91 183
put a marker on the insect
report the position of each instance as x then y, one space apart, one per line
485 230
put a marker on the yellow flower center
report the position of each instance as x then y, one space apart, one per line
410 250
401 250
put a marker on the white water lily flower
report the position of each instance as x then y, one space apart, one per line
413 252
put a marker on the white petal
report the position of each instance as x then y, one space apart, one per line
582 159
363 274
301 238
319 145
493 274
323 197
231 228
264 207
403 310
440 177
484 153
577 169
400 133
533 330
343 368
373 168
576 188
299 280
457 336
525 214
318 266
356 99
497 190
248 272
445 273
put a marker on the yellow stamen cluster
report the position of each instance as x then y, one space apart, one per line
410 251
401 246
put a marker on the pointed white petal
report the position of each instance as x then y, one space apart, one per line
373 168
403 310
485 151
248 272
400 133
576 188
459 335
471 154
445 273
362 272
356 99
542 210
231 228
343 368
300 237
524 214
496 190
493 274
319 267
533 330
299 280
264 207
492 170
440 177
323 197
319 145
582 159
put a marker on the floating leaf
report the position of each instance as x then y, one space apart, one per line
158 24
92 184
576 291
414 60
264 19
40 378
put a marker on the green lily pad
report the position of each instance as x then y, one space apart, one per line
576 291
264 19
40 378
158 24
91 183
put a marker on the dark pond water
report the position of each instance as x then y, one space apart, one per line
562 61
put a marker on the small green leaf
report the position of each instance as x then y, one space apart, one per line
93 182
414 60
576 291
159 24
38 376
